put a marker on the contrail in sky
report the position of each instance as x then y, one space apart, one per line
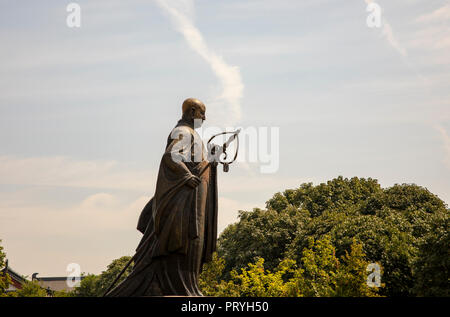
181 13
389 35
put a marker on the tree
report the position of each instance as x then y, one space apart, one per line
31 289
260 234
209 278
253 281
320 268
112 271
392 224
351 278
88 287
324 274
320 273
256 281
338 193
63 293
5 279
386 240
432 266
96 285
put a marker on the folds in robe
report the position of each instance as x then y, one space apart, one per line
179 223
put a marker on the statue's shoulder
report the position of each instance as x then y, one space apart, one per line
181 130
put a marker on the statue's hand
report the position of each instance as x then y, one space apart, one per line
200 167
214 163
194 181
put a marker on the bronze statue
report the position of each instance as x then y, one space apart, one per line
180 222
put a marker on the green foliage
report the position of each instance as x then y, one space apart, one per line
432 266
321 267
88 287
96 285
397 228
320 274
5 279
324 275
107 277
261 233
255 281
386 240
258 282
411 197
337 194
209 278
351 278
31 289
63 293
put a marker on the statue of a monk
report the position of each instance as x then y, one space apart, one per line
180 222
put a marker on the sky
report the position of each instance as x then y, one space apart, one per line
85 112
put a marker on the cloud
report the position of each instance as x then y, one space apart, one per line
434 37
91 232
67 172
99 201
434 32
388 33
439 15
181 13
58 210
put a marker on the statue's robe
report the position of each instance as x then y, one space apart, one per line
179 225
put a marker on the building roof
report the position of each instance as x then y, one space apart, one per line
16 279
13 274
55 283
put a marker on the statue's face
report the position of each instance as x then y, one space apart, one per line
198 114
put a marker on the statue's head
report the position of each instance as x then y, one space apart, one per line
194 111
